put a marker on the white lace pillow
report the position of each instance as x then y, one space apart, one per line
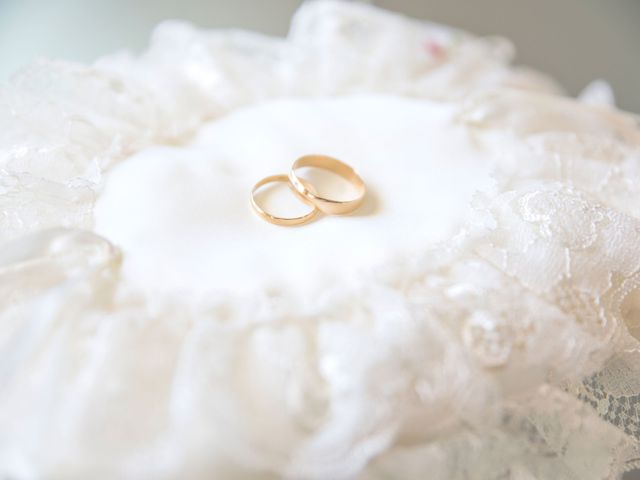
478 318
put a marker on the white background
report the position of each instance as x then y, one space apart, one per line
574 40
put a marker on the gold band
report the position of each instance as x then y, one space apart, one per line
281 220
327 205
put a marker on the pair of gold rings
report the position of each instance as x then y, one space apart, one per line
308 194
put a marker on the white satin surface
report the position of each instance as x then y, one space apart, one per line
197 195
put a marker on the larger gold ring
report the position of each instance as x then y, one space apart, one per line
287 221
328 205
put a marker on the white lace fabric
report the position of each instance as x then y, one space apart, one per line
510 351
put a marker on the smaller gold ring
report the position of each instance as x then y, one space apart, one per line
286 221
327 205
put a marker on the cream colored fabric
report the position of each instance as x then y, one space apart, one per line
480 320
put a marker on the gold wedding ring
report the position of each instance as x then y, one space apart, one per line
328 205
288 221
308 194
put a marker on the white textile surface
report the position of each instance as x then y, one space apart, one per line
479 318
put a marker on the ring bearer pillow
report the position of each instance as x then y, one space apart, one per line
477 316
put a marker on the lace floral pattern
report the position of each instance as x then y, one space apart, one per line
507 353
